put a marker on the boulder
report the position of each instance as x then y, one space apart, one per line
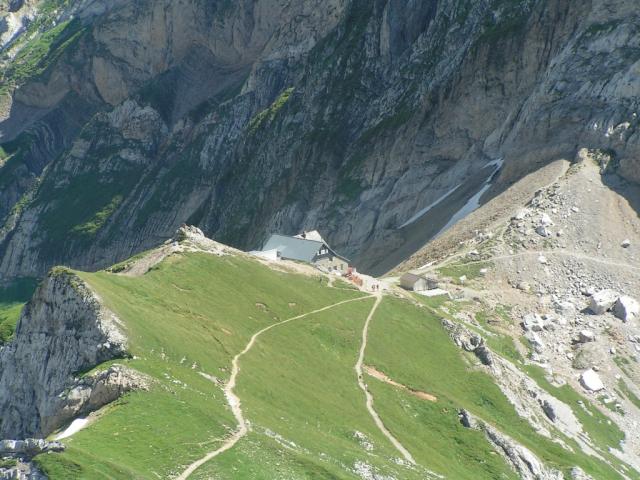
549 411
15 5
626 308
532 322
545 220
564 308
543 231
591 381
484 354
579 474
586 336
469 341
588 291
602 301
535 341
626 243
588 355
467 420
186 232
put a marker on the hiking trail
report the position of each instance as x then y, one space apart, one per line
369 398
234 401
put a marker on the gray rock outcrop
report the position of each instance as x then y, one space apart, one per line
28 448
578 474
527 465
602 301
63 330
92 392
626 308
469 341
21 470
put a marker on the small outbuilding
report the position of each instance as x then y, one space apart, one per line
418 283
411 281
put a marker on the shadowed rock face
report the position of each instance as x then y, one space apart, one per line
348 116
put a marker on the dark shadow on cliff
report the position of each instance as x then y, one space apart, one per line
630 191
379 256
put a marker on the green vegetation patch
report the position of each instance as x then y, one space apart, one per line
8 462
605 401
91 227
456 270
624 364
499 341
12 300
268 114
40 52
435 303
79 209
628 393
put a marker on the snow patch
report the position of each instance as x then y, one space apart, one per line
474 202
77 425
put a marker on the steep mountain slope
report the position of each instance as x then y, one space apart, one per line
215 338
122 120
534 273
506 129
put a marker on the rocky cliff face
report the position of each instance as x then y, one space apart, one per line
349 116
63 332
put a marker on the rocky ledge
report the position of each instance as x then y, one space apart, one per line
63 331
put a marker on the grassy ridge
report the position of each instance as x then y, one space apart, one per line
189 315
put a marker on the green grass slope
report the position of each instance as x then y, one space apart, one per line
12 300
192 313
